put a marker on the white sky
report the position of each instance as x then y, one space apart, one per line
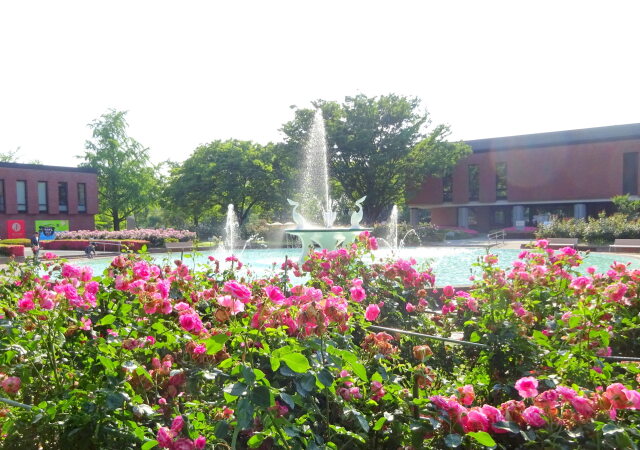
190 72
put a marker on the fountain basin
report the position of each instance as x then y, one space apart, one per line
329 238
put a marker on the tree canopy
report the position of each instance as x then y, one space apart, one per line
224 172
127 181
379 147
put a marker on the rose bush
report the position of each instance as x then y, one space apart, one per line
148 356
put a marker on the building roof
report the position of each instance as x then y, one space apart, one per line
557 138
11 165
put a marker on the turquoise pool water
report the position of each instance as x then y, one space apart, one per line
452 265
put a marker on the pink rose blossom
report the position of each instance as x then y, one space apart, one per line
372 312
527 387
534 416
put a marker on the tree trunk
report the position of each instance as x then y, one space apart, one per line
116 221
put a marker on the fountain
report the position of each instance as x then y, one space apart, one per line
231 229
315 189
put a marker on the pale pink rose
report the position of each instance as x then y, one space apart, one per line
11 385
475 420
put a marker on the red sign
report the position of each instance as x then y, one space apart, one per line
16 229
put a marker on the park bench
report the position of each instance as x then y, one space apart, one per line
625 243
562 242
179 246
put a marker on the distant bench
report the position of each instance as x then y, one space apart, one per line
562 242
179 246
625 243
182 246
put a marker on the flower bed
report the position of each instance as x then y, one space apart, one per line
11 250
81 244
167 357
156 237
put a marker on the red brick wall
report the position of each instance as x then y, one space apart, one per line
77 221
581 171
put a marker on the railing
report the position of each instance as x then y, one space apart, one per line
496 236
105 243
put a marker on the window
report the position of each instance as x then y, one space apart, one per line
43 204
21 195
501 216
630 173
501 181
447 188
1 195
82 197
63 197
474 182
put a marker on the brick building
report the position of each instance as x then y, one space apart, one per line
30 192
522 180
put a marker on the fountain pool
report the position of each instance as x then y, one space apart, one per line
451 265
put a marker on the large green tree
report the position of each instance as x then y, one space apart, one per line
224 172
380 147
127 181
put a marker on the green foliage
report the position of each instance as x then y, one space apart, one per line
110 361
379 147
595 230
220 173
16 241
126 180
626 206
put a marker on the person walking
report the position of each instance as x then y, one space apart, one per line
35 245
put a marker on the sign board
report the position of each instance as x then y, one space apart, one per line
49 228
520 224
16 229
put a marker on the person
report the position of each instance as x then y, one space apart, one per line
90 250
35 245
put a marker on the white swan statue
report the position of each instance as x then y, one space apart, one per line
356 217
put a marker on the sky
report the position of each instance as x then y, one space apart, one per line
190 72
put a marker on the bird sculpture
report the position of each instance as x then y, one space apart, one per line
356 217
297 217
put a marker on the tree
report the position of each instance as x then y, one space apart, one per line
626 206
379 147
126 180
224 172
10 156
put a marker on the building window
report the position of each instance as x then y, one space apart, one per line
501 217
43 204
1 195
501 181
21 196
474 182
447 188
82 197
630 173
63 197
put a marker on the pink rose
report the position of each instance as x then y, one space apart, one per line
372 312
357 293
11 385
534 416
527 387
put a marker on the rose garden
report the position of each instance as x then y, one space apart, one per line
180 357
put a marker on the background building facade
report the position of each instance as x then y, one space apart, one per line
31 192
522 180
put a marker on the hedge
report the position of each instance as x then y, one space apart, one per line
22 241
81 244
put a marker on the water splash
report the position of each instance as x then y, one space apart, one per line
392 234
316 198
231 230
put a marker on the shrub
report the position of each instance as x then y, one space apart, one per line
595 230
21 241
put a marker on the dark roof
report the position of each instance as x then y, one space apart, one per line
43 167
558 138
